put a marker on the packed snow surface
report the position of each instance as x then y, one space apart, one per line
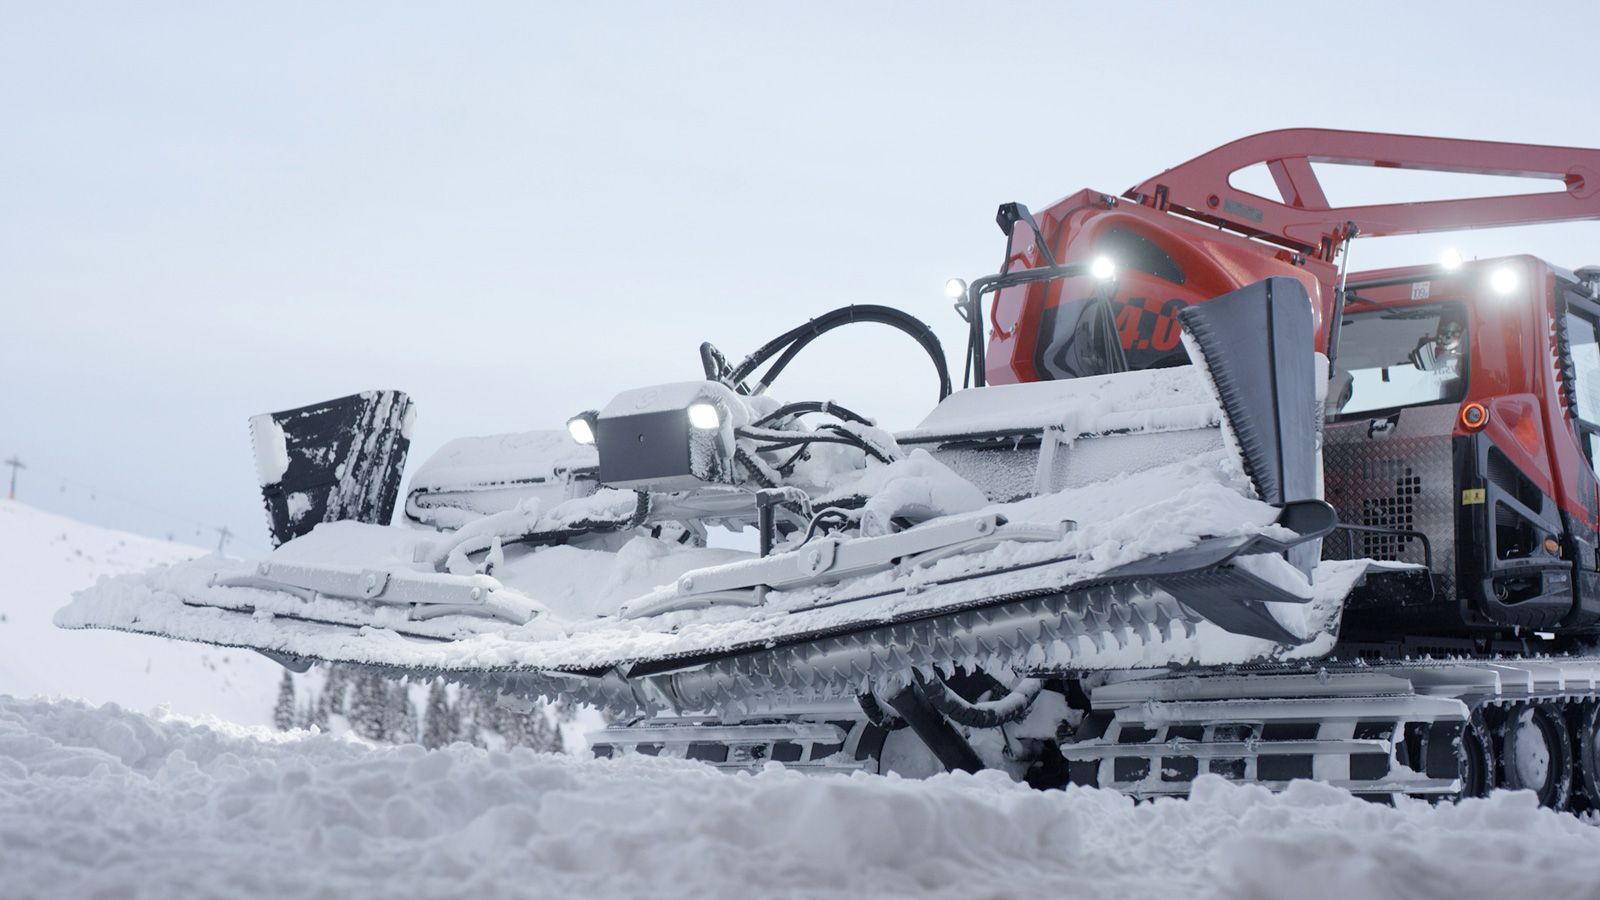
44 558
103 802
1154 400
499 458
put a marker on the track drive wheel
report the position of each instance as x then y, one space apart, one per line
1536 753
1475 751
1588 742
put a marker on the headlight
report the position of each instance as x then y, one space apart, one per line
704 416
1503 280
1103 268
955 289
582 427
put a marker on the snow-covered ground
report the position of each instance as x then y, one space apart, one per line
44 558
112 803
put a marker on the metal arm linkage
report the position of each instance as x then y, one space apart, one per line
1302 218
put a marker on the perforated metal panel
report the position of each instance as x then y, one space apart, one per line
1396 475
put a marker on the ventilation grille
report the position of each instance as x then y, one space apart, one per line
1403 478
1397 511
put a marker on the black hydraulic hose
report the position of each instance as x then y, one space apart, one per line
935 731
834 513
790 343
786 467
779 440
853 438
877 715
1012 707
977 365
804 438
641 512
712 361
753 465
1115 359
802 407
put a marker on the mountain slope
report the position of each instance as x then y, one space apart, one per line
43 559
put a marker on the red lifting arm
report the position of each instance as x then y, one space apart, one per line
1304 221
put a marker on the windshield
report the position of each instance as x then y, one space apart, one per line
1390 358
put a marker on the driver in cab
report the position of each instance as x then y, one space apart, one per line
1440 352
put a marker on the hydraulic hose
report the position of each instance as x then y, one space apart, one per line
1010 708
936 733
789 344
802 407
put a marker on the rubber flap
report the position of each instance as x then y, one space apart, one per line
1257 345
334 461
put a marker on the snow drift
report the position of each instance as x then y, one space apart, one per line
45 558
106 802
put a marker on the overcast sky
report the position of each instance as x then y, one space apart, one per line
513 211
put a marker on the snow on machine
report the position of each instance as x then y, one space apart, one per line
1205 503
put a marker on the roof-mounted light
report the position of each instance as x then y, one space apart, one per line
1450 260
1103 268
1504 280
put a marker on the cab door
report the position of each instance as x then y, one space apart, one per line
1576 451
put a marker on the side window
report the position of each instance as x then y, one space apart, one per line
1583 361
1585 349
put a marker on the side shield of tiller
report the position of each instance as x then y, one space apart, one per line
333 461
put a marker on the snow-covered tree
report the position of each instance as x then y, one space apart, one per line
536 731
516 728
334 688
442 722
368 709
470 717
321 710
283 713
532 727
402 714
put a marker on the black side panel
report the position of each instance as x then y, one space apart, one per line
1584 551
645 447
334 461
1507 574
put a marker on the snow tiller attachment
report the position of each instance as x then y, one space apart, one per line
1125 520
1205 503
